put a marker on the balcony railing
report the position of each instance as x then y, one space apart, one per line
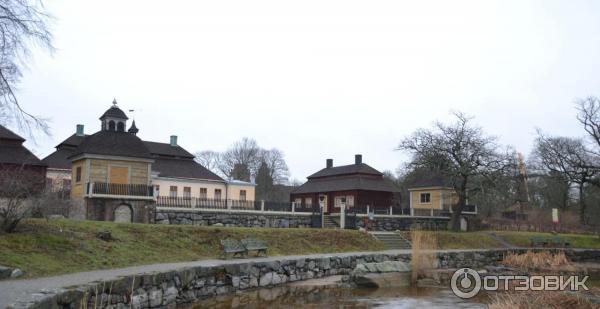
117 190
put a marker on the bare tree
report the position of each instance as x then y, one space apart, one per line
459 151
18 185
571 158
23 23
275 163
242 153
589 116
209 159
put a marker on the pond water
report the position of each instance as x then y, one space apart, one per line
336 297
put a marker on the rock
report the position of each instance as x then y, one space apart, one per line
16 273
170 295
392 266
5 272
140 300
155 298
382 267
235 281
383 280
55 217
218 224
105 235
266 279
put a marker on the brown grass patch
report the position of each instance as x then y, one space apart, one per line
543 260
422 256
539 299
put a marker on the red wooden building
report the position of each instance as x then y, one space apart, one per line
21 172
359 184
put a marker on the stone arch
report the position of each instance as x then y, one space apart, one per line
121 126
111 125
123 213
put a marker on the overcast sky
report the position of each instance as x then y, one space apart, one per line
316 79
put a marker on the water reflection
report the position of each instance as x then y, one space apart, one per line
328 297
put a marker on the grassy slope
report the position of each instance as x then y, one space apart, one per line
44 248
462 240
522 239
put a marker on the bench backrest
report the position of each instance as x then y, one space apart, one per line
231 244
253 243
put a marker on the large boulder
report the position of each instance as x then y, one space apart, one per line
382 280
382 274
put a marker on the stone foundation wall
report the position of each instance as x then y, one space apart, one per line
232 219
180 286
104 209
381 223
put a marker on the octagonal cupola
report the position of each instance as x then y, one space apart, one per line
114 119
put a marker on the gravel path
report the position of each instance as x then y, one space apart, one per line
12 290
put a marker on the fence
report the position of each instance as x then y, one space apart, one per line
271 206
204 203
103 188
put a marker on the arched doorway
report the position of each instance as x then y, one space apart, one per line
123 213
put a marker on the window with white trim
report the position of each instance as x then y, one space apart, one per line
425 198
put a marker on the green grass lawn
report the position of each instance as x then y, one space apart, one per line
523 239
43 248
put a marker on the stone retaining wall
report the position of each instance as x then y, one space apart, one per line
287 220
390 223
170 288
238 219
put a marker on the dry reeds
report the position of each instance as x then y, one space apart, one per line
539 299
424 256
538 260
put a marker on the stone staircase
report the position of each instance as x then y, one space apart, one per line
392 240
330 223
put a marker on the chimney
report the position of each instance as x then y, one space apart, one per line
173 140
329 163
79 130
358 159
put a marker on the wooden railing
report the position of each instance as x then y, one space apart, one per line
117 189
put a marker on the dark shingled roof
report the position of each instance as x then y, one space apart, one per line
12 150
8 134
18 154
347 183
361 168
59 159
113 143
430 180
73 140
164 149
183 168
114 112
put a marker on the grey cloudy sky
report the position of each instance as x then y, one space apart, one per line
317 79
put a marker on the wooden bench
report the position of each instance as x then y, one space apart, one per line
538 241
560 242
233 247
255 245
